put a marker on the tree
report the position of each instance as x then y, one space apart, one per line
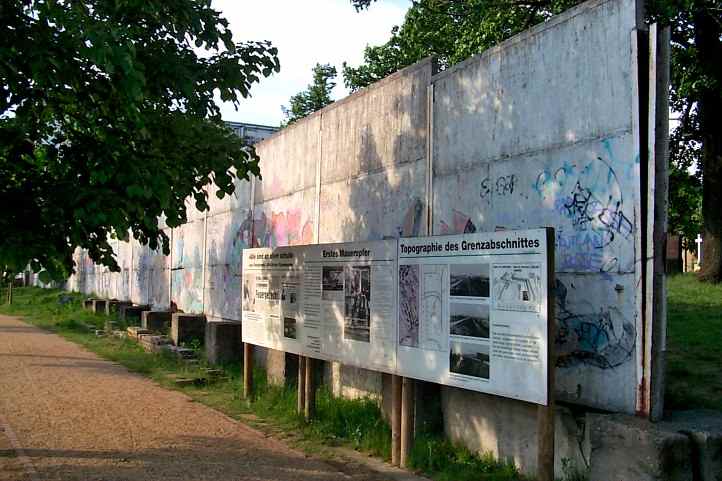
108 122
451 30
696 93
455 30
316 96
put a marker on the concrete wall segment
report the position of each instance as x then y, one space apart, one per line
538 131
531 92
288 163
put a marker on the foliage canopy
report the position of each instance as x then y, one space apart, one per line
455 30
316 96
108 122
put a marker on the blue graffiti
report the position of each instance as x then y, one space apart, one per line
601 338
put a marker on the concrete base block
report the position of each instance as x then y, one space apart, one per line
508 429
223 342
626 448
88 303
187 327
158 321
132 313
704 429
153 343
181 352
274 362
353 382
99 306
110 325
134 332
113 306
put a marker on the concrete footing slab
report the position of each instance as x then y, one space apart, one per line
153 343
187 327
134 332
110 325
157 321
626 448
223 342
704 430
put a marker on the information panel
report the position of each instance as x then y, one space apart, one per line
271 298
467 310
327 301
473 312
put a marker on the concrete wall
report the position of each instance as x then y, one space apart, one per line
539 131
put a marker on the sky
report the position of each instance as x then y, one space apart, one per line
305 32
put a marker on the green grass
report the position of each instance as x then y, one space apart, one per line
339 422
445 461
694 343
694 380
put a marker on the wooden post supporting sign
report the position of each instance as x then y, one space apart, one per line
545 414
310 407
301 405
395 419
247 370
407 420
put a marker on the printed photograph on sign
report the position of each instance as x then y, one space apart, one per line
469 359
249 292
470 320
357 303
409 305
332 283
289 295
289 327
517 287
469 280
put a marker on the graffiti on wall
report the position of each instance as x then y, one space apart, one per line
282 229
187 270
460 223
227 236
589 200
501 186
598 336
413 219
588 334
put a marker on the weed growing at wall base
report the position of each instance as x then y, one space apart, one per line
445 461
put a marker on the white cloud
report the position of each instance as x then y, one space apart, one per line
305 32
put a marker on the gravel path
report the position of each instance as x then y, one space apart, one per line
66 414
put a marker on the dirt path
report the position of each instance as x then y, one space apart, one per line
66 414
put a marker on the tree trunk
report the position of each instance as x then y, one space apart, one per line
709 53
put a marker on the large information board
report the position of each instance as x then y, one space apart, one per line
469 310
328 301
473 312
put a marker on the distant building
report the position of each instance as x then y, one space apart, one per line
253 133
